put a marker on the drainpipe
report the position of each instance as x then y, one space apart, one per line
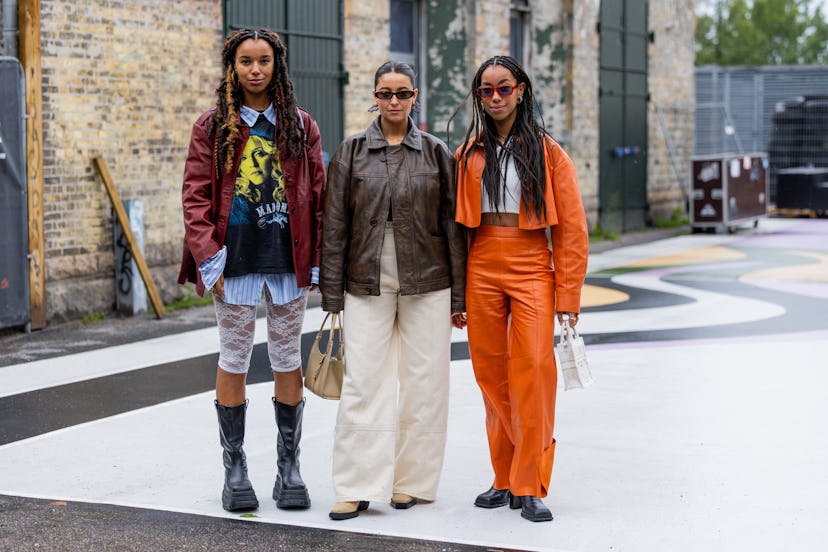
10 30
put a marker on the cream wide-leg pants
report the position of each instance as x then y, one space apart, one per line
391 438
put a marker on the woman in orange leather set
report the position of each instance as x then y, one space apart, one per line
515 182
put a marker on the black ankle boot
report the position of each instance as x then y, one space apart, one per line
238 492
531 508
493 498
289 490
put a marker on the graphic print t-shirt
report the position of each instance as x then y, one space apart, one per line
258 234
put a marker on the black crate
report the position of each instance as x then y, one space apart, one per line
802 188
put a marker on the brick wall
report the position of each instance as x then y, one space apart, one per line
584 120
671 85
367 47
672 92
124 80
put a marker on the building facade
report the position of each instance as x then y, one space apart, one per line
125 80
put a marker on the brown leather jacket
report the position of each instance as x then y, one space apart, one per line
431 246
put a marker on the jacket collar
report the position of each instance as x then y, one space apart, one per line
376 139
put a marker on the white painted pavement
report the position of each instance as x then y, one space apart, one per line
692 445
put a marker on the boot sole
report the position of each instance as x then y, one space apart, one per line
244 499
297 499
536 517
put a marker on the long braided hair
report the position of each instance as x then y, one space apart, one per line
229 98
525 142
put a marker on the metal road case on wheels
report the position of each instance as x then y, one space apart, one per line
729 190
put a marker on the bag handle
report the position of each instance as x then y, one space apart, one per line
336 325
567 331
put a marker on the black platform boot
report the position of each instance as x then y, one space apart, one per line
289 490
493 498
531 508
238 492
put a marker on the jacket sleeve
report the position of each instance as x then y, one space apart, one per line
316 172
454 231
336 231
197 197
570 237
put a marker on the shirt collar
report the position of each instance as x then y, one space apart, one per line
249 116
376 139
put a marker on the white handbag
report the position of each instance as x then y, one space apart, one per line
572 359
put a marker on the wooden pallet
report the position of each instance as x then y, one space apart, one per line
791 213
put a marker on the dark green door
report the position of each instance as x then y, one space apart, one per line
623 115
312 32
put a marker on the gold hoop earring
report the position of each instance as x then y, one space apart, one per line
520 99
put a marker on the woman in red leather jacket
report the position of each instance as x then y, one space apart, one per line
252 199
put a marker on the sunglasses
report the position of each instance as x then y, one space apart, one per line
487 92
400 94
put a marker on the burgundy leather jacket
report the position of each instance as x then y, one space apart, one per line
207 202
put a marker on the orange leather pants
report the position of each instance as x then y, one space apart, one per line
510 308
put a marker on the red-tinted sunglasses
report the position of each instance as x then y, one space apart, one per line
487 92
387 94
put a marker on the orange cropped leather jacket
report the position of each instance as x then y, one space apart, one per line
565 216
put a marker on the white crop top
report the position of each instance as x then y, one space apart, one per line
510 199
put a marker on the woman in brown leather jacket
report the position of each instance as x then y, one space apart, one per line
514 185
394 259
252 199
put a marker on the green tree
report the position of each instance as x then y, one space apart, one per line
762 32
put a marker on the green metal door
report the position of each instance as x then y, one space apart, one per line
623 115
312 32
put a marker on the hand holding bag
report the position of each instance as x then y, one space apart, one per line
325 370
572 358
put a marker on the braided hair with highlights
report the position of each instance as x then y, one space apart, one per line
229 99
525 142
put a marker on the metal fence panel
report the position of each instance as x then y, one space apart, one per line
746 98
737 108
14 244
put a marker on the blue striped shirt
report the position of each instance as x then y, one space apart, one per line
247 289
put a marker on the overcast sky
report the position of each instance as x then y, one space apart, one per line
706 6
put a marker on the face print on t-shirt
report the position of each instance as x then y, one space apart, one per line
259 197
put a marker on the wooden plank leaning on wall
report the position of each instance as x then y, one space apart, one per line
132 243
29 54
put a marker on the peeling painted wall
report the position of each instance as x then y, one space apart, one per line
491 30
448 79
549 47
